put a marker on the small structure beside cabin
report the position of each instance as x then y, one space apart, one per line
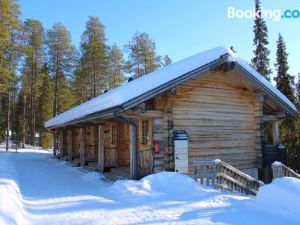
209 106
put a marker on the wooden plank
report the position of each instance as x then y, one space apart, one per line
123 152
275 132
147 114
110 159
82 146
133 151
61 146
100 164
70 155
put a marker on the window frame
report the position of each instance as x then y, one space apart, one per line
150 134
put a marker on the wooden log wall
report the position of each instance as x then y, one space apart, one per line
163 129
110 152
123 153
259 135
65 143
90 144
75 143
218 114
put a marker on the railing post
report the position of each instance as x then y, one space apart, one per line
214 171
277 169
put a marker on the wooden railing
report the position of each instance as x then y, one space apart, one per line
219 174
281 170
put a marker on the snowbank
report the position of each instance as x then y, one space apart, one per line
11 206
11 202
281 197
35 189
167 184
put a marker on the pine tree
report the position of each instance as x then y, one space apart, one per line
116 66
142 55
20 123
166 60
94 59
260 62
9 55
298 89
9 30
44 103
34 53
80 84
296 155
62 61
285 83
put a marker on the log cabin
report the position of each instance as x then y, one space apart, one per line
212 105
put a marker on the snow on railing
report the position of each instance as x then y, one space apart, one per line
219 174
281 170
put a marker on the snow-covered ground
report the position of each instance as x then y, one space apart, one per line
35 189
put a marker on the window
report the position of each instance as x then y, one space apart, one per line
145 132
113 133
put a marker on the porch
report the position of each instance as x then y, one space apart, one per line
107 146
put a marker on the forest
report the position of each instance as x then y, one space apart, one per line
42 73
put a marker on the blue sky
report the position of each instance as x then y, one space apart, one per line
180 28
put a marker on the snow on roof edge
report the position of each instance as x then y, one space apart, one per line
267 84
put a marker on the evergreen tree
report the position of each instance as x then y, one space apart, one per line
94 59
34 53
80 84
296 155
9 55
44 103
20 124
9 30
142 55
116 66
285 83
166 60
298 89
260 62
62 61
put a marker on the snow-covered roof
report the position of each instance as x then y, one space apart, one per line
138 87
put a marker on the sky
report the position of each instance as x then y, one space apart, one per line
180 28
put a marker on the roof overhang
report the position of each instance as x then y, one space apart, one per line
291 111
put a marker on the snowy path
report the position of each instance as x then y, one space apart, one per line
35 189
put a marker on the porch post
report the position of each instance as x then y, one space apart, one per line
55 145
275 131
133 151
82 146
100 164
61 145
70 157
